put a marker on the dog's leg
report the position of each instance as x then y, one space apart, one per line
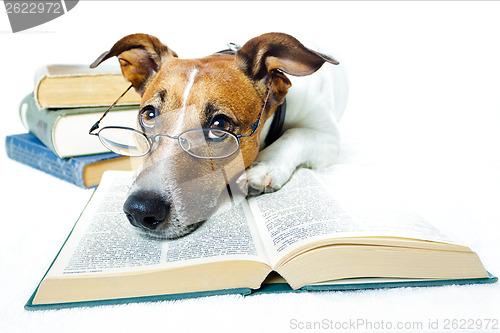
297 147
311 138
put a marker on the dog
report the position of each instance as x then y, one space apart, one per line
237 91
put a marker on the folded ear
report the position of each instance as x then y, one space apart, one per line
274 53
140 57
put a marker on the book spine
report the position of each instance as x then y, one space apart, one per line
40 74
38 122
28 150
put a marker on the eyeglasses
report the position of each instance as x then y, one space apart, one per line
204 143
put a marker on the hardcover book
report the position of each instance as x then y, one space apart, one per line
63 86
66 131
83 171
300 238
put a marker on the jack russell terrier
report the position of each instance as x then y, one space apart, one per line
208 124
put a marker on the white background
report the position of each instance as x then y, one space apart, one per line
424 108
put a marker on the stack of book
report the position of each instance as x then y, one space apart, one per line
66 101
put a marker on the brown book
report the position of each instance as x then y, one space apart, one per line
67 86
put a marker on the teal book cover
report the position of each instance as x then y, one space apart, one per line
274 288
65 131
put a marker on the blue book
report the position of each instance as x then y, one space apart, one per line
83 171
104 261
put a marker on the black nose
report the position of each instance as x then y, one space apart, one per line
146 209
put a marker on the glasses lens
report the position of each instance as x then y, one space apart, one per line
124 141
209 143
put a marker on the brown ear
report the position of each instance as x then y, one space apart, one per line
140 57
273 53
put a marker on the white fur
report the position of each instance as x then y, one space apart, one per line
188 88
314 105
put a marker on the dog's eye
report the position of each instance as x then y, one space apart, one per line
147 116
219 123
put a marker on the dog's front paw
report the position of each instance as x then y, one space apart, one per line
262 177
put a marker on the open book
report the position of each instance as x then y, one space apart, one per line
311 238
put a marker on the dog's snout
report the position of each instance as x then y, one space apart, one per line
146 209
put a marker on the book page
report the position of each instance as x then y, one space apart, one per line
103 241
304 211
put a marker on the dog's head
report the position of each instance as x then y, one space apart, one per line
176 191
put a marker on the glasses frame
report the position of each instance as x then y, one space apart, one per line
151 138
